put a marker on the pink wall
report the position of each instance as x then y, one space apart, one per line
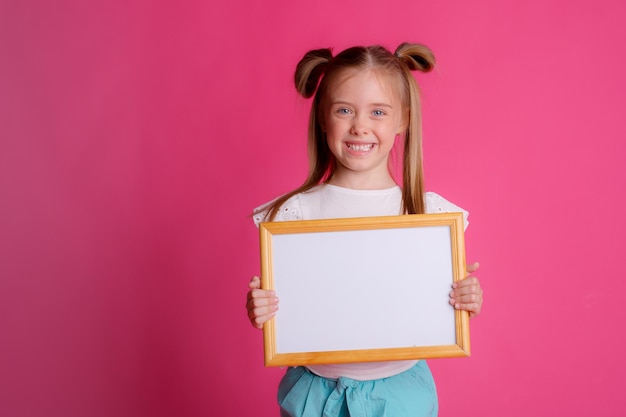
135 138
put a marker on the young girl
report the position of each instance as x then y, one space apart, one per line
365 102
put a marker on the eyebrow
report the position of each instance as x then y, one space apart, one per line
372 104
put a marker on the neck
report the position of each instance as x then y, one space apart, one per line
362 181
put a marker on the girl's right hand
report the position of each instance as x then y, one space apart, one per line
261 304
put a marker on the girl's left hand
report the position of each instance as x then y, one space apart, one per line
466 294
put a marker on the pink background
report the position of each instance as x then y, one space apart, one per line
135 138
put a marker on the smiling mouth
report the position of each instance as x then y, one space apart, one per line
360 147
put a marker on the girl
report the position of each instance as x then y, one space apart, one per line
365 101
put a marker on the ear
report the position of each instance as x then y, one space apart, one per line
404 123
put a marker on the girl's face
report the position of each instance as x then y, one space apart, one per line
362 117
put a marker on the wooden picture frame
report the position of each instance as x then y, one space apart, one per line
364 289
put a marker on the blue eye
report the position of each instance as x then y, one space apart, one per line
343 111
378 113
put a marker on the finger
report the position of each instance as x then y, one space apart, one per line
472 309
472 293
467 289
472 298
469 283
472 267
262 306
260 294
260 321
467 305
261 301
258 316
262 311
254 283
471 302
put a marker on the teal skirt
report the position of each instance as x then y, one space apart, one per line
412 393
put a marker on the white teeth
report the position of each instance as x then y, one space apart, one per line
360 148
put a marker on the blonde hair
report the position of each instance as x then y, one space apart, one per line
315 74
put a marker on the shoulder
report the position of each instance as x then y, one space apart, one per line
289 210
437 204
292 209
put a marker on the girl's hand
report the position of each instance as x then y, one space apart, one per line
467 294
261 304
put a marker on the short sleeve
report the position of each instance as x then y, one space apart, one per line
437 204
290 210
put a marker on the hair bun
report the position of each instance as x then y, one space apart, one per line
310 70
417 57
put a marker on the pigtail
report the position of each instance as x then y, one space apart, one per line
310 70
416 57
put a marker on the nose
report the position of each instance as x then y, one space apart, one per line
359 126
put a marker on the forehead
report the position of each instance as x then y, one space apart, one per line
363 83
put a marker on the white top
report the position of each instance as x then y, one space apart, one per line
327 201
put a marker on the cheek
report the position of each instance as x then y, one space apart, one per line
335 127
333 140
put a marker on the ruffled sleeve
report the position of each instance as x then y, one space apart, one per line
437 204
290 210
